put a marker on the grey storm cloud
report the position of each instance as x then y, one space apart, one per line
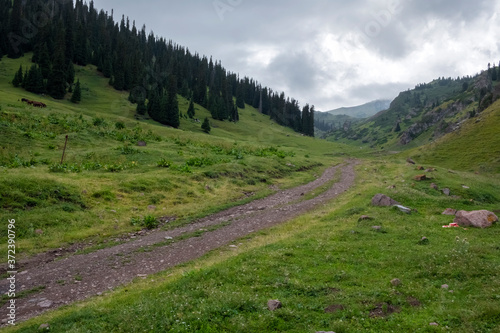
329 53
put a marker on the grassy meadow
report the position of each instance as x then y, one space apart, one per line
107 182
331 270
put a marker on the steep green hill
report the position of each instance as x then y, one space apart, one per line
424 114
108 184
473 146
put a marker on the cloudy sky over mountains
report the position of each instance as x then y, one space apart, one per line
329 53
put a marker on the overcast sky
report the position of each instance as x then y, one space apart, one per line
329 53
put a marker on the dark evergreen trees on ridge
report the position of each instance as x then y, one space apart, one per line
77 33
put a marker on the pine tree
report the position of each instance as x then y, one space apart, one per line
240 97
77 93
44 60
70 74
311 122
206 126
56 84
191 112
18 78
15 39
141 108
235 115
154 105
172 105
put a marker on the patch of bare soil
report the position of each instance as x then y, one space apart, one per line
383 310
63 277
334 308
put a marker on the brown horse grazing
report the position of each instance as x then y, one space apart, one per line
34 103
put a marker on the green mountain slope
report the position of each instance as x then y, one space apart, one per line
473 146
422 115
108 184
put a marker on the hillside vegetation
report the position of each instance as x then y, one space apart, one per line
473 146
108 184
422 115
345 266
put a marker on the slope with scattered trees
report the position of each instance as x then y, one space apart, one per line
151 68
425 113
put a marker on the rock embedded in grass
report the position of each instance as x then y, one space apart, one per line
449 211
382 200
274 305
396 282
478 218
420 178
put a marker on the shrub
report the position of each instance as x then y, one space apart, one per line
150 222
163 163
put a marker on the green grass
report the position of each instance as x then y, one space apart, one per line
327 259
474 147
106 179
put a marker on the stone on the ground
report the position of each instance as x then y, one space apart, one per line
434 186
409 160
365 218
420 178
403 209
477 218
151 207
274 304
142 143
383 200
395 282
423 241
434 324
446 191
44 327
445 286
420 168
450 211
377 228
45 304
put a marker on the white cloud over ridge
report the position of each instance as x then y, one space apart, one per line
330 53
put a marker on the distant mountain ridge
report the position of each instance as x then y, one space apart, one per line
363 111
426 113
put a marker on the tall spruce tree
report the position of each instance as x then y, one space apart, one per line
172 105
191 111
141 108
56 84
16 42
206 126
77 93
18 77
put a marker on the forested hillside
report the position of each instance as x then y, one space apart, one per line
154 70
426 113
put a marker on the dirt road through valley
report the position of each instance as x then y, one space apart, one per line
77 277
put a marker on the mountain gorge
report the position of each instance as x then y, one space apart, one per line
425 113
